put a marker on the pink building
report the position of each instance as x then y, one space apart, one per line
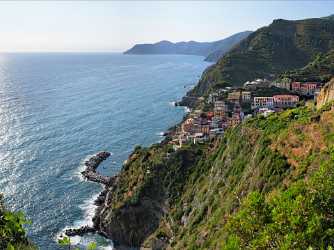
285 101
306 88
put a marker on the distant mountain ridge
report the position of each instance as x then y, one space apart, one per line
211 50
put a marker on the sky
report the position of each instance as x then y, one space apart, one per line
117 25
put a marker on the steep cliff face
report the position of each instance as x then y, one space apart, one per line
137 202
326 94
268 183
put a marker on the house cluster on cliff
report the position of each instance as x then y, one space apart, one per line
308 89
269 104
227 107
201 126
276 102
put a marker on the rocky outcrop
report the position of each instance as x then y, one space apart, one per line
188 101
79 231
91 174
92 164
326 94
130 224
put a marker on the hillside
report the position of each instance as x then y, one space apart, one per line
267 183
321 69
220 48
281 46
211 50
326 94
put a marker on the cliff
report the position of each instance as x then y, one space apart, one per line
138 201
326 94
267 183
281 46
211 50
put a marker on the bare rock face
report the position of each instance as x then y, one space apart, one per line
326 94
130 224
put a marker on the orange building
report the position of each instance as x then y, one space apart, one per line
234 120
220 109
234 96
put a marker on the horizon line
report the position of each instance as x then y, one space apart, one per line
60 51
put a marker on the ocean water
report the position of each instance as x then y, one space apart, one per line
58 109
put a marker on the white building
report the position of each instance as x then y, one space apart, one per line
263 102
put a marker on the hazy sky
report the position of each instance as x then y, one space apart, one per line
116 26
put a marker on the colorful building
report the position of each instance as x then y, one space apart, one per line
306 88
285 101
213 98
246 96
263 102
234 120
234 96
220 109
187 125
205 129
282 84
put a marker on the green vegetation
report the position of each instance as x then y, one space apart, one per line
321 69
296 218
137 203
66 243
12 232
283 45
267 183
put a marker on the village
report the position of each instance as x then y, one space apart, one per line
227 107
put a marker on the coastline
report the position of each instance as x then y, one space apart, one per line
90 173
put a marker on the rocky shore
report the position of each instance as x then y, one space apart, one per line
91 174
187 101
145 215
79 231
92 164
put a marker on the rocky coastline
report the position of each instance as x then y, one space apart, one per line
91 174
92 164
126 221
109 184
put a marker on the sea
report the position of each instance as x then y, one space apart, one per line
58 109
